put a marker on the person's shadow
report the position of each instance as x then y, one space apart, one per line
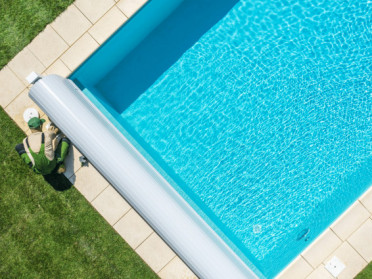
58 181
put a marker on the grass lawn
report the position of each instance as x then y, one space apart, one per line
22 20
46 233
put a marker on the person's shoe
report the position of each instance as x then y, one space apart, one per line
61 169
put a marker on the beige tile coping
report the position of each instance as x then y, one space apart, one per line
61 48
129 7
366 200
58 68
323 246
24 63
89 182
111 205
71 24
155 252
107 25
79 51
10 87
320 273
352 219
48 46
133 228
94 10
72 162
354 263
361 240
299 268
176 269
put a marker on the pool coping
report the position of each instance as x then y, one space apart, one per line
60 49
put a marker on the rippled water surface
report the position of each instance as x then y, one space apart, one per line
265 121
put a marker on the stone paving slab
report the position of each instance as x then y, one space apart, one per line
133 228
72 162
176 269
129 7
94 10
361 240
299 268
155 252
58 68
48 46
89 182
10 87
352 219
323 246
107 25
354 263
111 205
366 200
320 273
79 51
71 24
24 63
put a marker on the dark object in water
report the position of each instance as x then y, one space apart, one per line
303 234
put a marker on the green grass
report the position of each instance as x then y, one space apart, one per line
22 20
366 273
46 233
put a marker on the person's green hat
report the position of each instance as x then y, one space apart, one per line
35 122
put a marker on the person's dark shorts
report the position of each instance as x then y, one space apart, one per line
20 149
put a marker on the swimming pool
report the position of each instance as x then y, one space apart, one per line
257 113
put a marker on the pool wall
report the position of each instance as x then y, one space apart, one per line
137 180
132 32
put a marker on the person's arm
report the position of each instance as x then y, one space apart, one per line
26 159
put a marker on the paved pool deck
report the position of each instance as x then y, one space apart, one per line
60 49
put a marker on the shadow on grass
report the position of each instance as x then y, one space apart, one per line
58 181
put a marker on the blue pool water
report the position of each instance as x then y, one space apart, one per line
258 112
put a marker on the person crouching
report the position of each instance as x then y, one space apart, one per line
45 151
